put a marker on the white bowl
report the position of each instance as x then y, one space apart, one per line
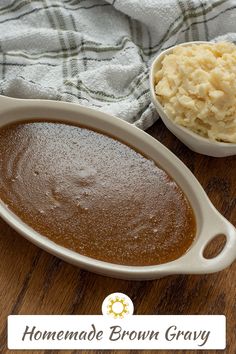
209 222
194 141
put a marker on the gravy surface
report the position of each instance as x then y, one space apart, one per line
93 194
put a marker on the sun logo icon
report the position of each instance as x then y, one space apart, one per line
117 305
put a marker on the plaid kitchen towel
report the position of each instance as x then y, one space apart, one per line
98 53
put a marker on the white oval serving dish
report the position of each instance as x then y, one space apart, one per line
192 140
209 221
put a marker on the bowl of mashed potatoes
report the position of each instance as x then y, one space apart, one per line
193 87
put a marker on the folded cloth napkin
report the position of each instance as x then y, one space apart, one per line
98 53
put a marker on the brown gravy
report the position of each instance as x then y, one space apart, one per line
93 194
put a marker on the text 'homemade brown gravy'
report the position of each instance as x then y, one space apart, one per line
93 194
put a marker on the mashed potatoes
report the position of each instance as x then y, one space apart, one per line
196 86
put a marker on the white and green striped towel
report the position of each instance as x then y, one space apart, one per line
98 53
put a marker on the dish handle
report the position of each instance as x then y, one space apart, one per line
195 262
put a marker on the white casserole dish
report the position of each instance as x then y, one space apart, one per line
209 221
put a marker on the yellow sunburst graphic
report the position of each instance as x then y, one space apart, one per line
117 307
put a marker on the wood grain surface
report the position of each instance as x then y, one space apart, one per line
34 282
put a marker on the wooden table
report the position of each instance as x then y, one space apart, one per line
34 282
